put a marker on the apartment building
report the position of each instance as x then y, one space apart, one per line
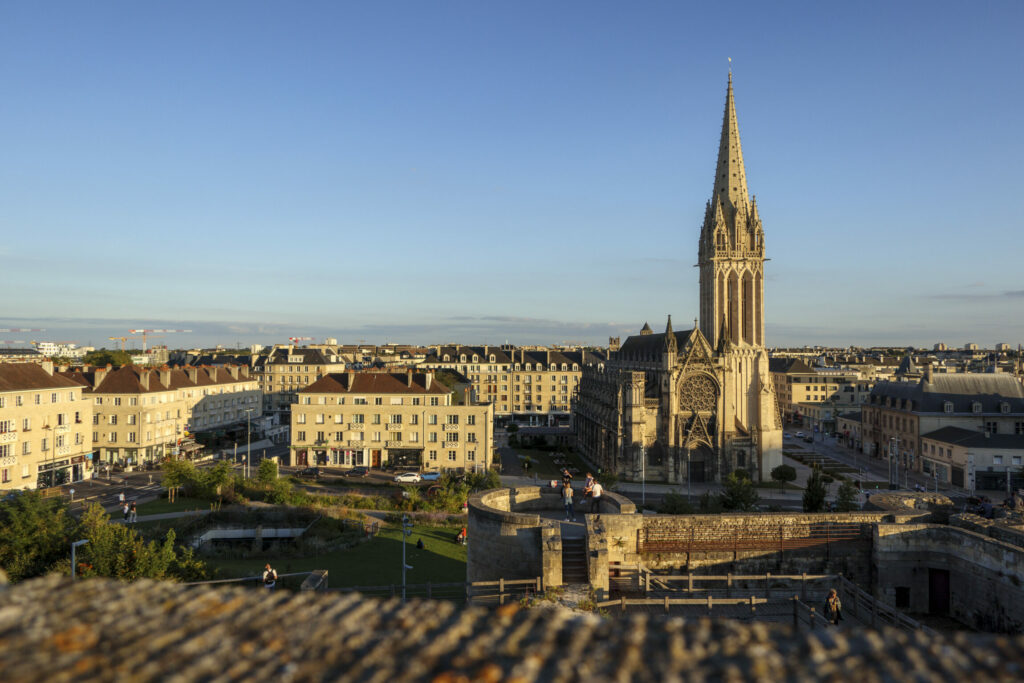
811 397
287 369
533 386
898 414
44 427
406 420
142 414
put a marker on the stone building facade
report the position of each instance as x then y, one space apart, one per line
532 386
899 414
142 414
44 427
695 405
407 420
284 370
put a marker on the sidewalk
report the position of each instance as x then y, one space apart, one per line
162 515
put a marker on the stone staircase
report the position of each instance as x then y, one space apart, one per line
574 561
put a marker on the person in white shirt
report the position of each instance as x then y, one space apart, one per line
269 577
595 497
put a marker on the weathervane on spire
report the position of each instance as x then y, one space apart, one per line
730 69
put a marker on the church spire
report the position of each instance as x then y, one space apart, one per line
671 345
730 175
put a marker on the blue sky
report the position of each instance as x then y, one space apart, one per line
526 171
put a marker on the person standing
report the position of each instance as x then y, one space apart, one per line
595 497
120 498
570 514
133 513
833 607
126 511
269 577
566 477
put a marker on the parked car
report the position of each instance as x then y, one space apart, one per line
309 473
800 435
430 476
358 472
808 439
408 478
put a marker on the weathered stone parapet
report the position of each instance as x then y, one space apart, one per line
997 529
101 630
597 555
316 581
551 556
504 543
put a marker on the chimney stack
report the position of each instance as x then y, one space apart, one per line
928 373
144 379
408 378
48 367
193 374
165 376
427 377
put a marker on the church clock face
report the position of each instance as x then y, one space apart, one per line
698 394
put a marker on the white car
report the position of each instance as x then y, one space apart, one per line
430 476
799 435
408 478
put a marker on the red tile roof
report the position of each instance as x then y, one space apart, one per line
26 376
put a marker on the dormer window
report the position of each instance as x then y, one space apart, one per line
947 407
447 358
492 357
462 358
575 367
527 367
1004 407
476 358
975 407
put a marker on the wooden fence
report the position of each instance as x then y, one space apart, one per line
861 604
639 579
709 602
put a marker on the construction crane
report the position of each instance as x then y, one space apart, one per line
147 333
296 340
122 339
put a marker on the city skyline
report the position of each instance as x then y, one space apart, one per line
528 174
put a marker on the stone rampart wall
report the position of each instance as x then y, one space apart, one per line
502 543
985 588
997 529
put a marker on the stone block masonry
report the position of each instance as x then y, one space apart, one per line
99 630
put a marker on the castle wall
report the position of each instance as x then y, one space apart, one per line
984 585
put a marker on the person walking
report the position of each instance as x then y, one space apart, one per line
570 514
595 497
269 577
120 498
126 510
833 607
133 515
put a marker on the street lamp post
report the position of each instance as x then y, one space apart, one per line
689 452
406 531
643 476
248 425
73 546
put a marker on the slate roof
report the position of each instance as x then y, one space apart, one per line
28 376
795 365
643 346
375 383
8 351
962 389
976 439
521 356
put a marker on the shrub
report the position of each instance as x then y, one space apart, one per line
675 504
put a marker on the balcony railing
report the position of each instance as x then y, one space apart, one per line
8 437
450 428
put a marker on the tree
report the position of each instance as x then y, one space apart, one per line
784 474
738 492
673 503
35 534
119 552
266 474
814 494
103 357
847 498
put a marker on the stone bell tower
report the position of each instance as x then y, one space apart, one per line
731 250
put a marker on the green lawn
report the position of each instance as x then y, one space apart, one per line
373 563
161 505
544 468
775 485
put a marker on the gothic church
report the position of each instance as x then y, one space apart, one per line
697 404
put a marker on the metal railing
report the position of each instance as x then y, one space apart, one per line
476 592
873 612
642 580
